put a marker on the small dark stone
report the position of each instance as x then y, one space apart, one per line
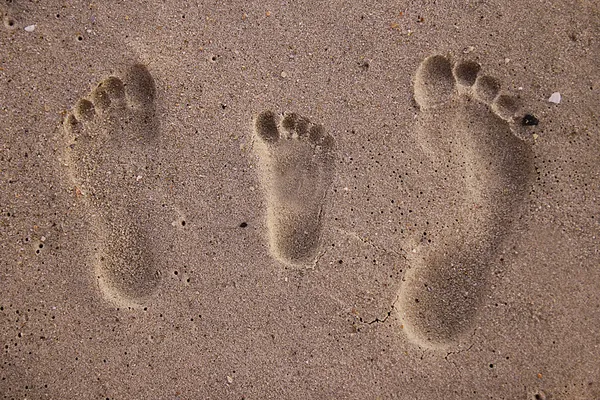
530 120
243 225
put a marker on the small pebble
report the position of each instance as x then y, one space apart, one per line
530 120
555 98
284 74
229 379
30 28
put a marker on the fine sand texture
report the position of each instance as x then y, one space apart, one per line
300 200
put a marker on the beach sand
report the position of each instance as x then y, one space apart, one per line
300 200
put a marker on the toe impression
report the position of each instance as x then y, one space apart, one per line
265 127
84 110
140 88
466 72
486 88
434 82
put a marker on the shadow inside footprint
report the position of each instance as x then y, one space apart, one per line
296 169
111 150
444 288
445 291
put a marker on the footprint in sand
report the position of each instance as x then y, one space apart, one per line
296 161
444 288
111 149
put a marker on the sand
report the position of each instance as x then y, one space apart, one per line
328 200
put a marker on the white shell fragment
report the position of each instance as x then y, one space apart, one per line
555 98
30 28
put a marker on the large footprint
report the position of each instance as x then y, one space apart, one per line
111 149
297 162
443 289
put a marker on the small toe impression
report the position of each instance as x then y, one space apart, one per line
506 107
140 88
115 90
295 126
466 72
72 127
114 87
100 98
265 127
70 121
318 136
434 82
302 128
84 110
289 121
486 88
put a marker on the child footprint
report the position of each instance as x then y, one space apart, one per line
296 162
444 288
111 148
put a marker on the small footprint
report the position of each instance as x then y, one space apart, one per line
297 162
111 137
463 109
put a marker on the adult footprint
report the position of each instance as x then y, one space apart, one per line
111 150
297 163
491 168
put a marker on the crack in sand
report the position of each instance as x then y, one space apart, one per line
378 320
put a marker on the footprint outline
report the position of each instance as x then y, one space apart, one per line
296 163
110 139
441 292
